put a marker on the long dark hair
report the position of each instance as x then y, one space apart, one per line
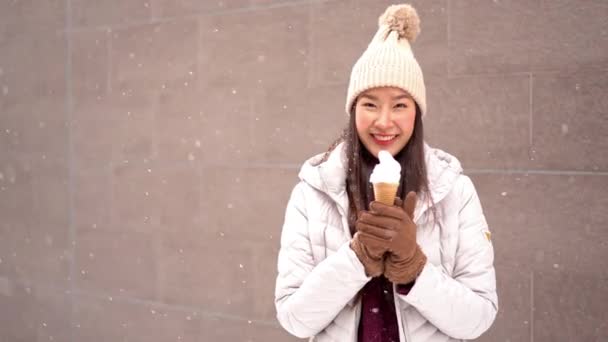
361 162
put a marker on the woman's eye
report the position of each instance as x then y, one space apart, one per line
401 105
370 105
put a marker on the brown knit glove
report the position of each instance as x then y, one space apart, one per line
405 259
369 248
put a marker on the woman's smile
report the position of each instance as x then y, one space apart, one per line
384 140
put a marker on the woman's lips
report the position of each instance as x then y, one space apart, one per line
384 140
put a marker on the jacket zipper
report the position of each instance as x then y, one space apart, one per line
400 317
406 331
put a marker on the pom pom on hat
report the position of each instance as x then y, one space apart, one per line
402 19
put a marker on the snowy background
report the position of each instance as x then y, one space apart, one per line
147 150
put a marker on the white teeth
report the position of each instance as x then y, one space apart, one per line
384 138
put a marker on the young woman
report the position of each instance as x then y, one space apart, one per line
353 269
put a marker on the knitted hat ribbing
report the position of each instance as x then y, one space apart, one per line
388 60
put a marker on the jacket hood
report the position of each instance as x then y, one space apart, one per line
329 177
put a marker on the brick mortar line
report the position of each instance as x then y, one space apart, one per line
181 165
70 161
531 306
531 113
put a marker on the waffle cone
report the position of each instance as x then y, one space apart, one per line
385 192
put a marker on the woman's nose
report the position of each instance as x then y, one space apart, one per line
385 119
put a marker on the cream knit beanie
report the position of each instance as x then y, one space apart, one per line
388 60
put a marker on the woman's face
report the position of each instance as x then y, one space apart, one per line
385 118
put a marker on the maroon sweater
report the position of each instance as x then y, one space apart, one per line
378 318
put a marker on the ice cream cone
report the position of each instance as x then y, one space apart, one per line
385 192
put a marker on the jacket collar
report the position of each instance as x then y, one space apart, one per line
329 177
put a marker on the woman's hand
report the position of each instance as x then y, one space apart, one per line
393 228
370 244
370 250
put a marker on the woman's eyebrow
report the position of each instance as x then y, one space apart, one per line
371 97
398 97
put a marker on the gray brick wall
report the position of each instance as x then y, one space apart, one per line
147 150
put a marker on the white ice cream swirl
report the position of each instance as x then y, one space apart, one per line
387 171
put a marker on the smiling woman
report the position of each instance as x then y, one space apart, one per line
354 269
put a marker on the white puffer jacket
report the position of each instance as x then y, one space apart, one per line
319 276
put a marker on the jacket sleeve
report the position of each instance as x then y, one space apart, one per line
308 297
462 306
